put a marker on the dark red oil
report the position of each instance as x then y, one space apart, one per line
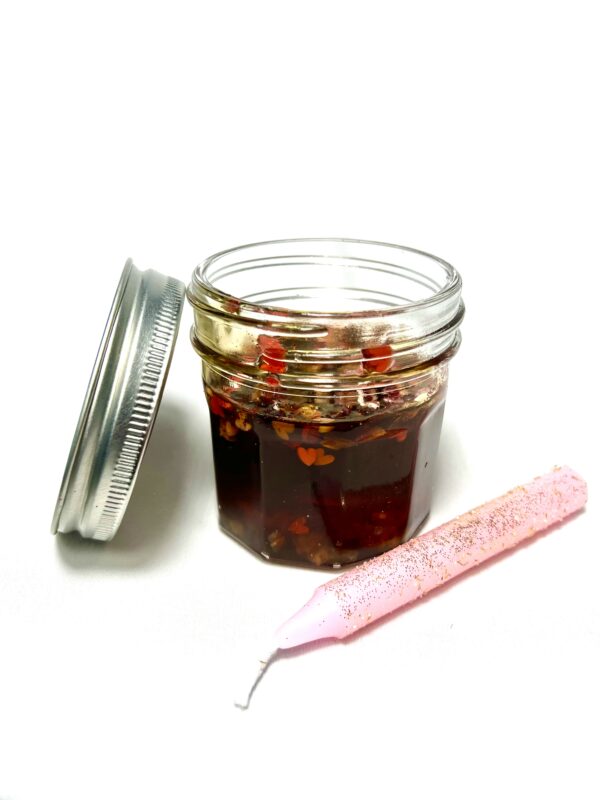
323 495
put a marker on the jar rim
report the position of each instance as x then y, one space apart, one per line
201 282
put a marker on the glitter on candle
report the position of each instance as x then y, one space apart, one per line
379 586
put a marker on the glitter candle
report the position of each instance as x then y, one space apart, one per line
384 584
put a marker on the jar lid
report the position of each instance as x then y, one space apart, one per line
120 405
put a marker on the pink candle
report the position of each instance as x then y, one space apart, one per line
388 582
370 591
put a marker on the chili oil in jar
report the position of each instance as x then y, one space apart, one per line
325 365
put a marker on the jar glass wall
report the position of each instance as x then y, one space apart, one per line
325 368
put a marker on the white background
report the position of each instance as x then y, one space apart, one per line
167 132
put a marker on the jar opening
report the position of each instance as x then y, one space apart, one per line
311 314
329 277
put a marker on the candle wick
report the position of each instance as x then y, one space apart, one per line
244 697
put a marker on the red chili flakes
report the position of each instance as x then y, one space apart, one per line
316 456
273 381
399 435
370 435
324 459
337 444
378 359
217 405
242 422
299 526
308 412
283 429
309 435
232 305
272 354
227 430
307 455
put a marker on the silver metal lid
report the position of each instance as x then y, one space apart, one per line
120 405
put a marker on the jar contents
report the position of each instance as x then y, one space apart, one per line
325 364
324 486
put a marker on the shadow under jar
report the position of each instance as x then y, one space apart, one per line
325 368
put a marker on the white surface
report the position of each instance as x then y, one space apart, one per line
167 132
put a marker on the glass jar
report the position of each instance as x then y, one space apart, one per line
325 367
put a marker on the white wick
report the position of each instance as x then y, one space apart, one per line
243 697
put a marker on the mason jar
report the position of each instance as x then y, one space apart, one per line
325 366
